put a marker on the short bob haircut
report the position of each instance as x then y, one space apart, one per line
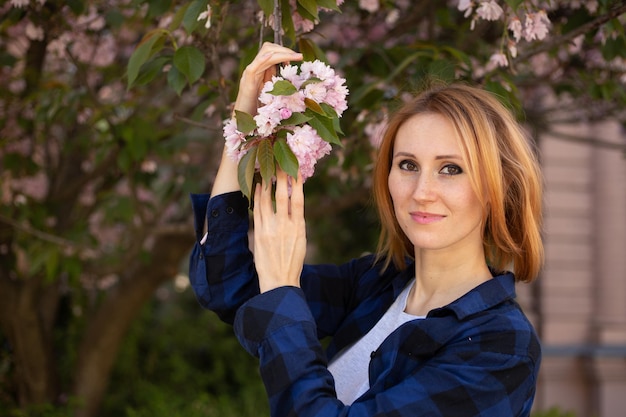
503 170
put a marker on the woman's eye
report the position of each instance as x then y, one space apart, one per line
451 170
407 166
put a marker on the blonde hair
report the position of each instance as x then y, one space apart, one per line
503 168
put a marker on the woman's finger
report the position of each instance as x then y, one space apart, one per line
257 206
297 198
266 205
282 193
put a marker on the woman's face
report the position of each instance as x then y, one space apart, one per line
432 195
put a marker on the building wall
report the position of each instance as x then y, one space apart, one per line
578 304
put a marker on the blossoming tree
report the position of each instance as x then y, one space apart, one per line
111 112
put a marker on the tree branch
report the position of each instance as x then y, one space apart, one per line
570 36
41 234
593 141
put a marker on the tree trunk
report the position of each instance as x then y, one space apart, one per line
108 326
27 310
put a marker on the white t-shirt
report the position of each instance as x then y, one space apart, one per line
350 368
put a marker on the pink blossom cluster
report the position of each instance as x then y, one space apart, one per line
533 25
313 80
23 3
308 147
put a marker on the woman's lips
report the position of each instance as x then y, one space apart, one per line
426 218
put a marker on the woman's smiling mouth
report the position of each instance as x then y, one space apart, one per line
421 217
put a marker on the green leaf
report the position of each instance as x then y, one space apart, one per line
265 156
151 69
124 160
142 53
409 60
176 80
245 171
77 6
267 6
514 4
335 119
324 127
287 21
189 61
138 148
158 7
328 110
286 158
295 119
52 263
283 88
178 17
114 18
331 4
310 9
442 70
313 105
613 48
310 51
190 19
245 122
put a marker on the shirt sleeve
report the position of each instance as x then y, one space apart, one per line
223 276
221 269
489 376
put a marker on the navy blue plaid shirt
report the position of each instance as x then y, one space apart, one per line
478 356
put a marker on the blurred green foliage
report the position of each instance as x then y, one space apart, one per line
181 360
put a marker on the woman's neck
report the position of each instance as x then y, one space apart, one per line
439 280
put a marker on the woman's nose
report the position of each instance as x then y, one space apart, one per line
424 188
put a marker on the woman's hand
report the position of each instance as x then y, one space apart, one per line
260 70
279 236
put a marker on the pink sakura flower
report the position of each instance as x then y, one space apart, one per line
336 98
489 10
234 139
536 26
371 6
19 3
300 24
92 20
315 91
512 47
34 33
267 119
375 132
498 60
285 113
466 6
206 15
308 148
515 26
291 74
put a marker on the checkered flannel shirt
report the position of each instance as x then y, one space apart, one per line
478 356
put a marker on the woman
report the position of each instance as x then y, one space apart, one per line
427 326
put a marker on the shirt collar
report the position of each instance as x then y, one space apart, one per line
483 297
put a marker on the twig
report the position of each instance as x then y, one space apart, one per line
278 21
40 234
563 39
600 143
194 123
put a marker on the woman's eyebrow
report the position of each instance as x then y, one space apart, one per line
448 157
403 154
408 154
